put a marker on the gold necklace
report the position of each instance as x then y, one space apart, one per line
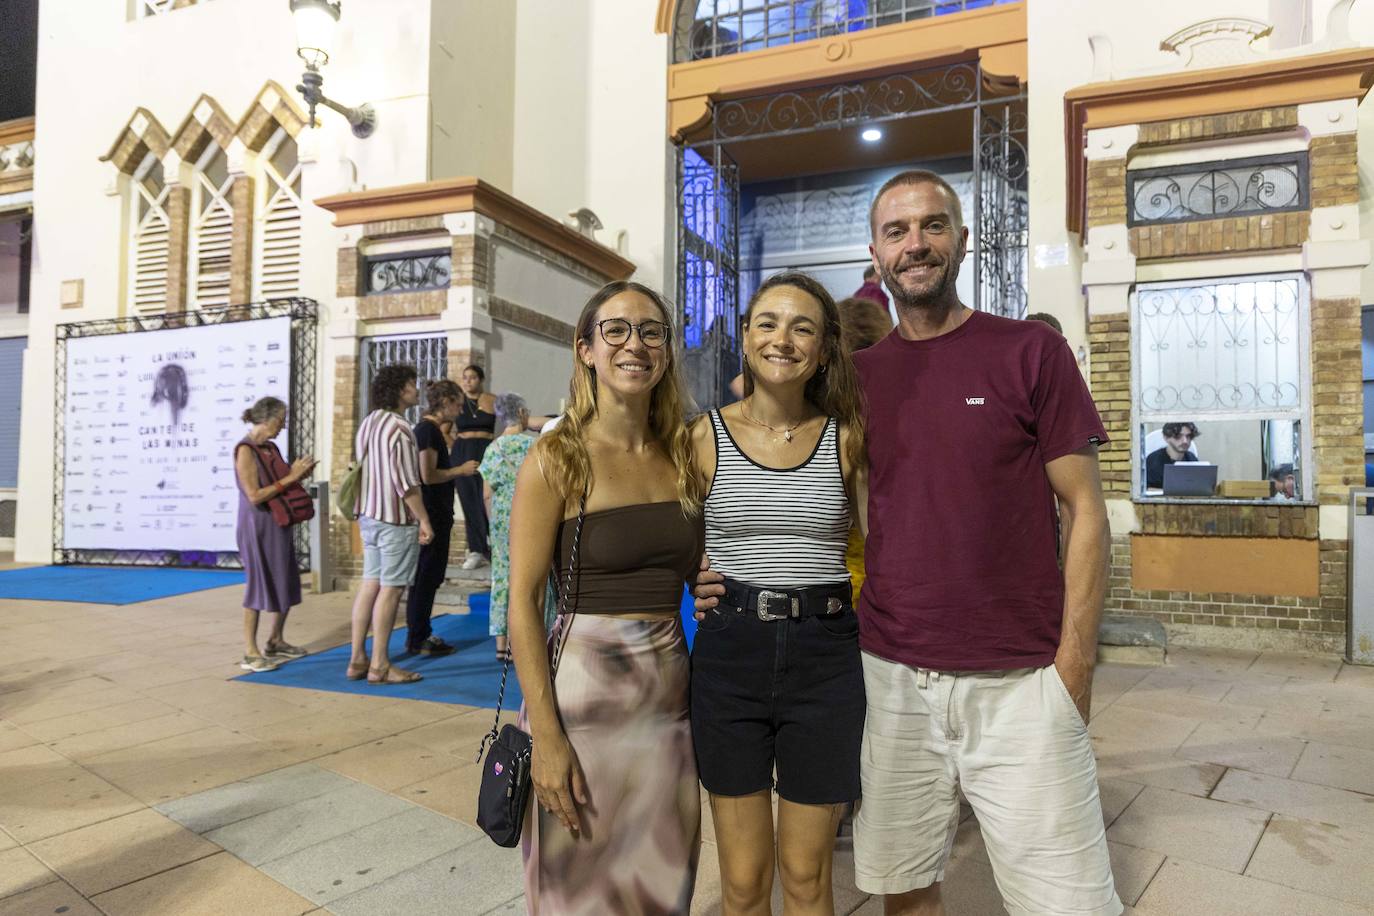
785 433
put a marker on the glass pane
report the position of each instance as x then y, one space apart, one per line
284 158
217 169
1240 459
152 179
1222 346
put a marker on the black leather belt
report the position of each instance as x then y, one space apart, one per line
786 603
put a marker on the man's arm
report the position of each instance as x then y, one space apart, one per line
1083 514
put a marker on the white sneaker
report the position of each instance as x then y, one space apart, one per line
258 664
474 561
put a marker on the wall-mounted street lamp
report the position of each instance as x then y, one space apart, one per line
315 22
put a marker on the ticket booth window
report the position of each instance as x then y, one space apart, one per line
1221 389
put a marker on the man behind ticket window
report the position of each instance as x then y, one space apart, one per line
1178 441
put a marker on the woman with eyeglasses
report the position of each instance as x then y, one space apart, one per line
777 680
616 827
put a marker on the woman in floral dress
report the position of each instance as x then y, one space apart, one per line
500 464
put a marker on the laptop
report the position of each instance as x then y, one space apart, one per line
1190 478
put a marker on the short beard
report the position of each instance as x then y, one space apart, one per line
935 295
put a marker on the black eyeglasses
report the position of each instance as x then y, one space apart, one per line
616 332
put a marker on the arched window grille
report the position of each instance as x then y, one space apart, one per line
148 236
212 226
715 28
277 233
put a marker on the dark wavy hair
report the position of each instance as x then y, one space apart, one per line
835 391
385 391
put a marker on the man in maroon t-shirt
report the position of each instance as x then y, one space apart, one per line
978 651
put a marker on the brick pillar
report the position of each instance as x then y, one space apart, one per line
343 545
1109 340
178 245
1337 400
241 241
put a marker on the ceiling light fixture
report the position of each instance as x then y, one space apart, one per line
871 135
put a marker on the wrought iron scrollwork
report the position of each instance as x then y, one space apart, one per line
1264 184
829 107
409 272
1223 346
1003 217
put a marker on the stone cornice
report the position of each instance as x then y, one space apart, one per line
1200 93
472 195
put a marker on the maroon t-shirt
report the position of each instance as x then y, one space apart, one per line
961 557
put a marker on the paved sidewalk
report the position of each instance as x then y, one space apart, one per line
135 778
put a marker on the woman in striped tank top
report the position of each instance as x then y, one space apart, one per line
777 683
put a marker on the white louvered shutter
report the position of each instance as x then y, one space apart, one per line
277 239
148 238
212 228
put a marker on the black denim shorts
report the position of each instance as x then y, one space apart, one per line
784 694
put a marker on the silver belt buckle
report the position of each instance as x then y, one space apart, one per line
770 601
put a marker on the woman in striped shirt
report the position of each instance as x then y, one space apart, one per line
392 520
777 683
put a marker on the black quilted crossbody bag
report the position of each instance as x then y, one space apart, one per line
506 785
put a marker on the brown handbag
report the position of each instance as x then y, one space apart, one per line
292 504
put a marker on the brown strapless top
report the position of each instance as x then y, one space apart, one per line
632 559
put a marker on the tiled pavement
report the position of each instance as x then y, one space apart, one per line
136 779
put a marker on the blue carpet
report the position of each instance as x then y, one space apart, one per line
470 676
110 584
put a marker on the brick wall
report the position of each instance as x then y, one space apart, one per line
1257 232
1106 192
1109 344
241 240
1321 618
1337 399
1334 170
1215 127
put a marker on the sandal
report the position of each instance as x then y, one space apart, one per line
379 677
285 650
356 671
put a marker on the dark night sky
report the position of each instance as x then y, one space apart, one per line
18 57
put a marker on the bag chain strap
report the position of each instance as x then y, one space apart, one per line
560 632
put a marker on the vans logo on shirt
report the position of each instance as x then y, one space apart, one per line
973 401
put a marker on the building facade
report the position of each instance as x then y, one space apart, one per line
1181 191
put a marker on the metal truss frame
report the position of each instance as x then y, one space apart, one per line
304 315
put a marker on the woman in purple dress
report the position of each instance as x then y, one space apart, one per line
269 559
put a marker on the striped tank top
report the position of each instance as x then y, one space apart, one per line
778 528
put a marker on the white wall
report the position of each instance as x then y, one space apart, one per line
472 90
226 50
1058 33
591 120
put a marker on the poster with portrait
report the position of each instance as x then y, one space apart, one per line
151 419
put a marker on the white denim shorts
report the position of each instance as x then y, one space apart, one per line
391 553
1014 742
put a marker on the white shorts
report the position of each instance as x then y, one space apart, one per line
1016 745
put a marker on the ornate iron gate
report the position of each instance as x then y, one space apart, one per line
709 194
428 353
708 271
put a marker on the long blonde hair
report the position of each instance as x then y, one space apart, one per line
563 452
